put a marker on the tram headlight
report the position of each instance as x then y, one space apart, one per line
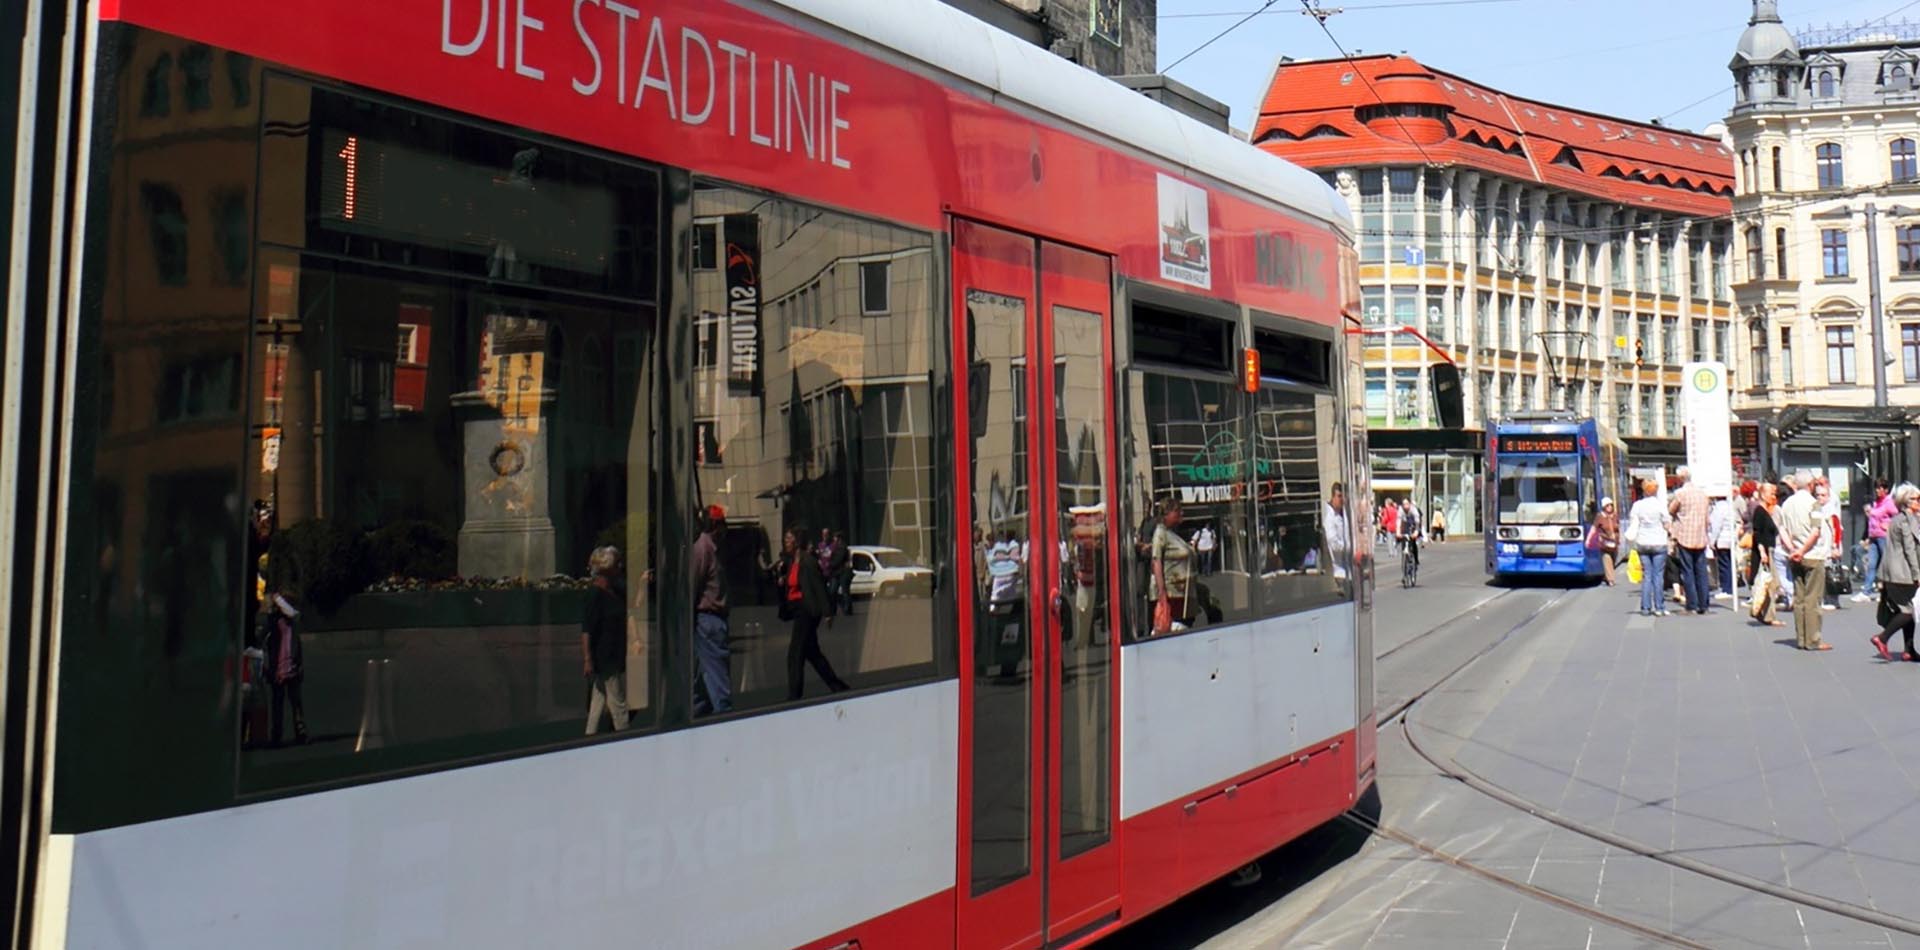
1509 534
1569 534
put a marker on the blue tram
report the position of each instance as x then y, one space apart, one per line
1546 475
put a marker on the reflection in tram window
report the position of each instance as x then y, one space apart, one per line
1299 500
451 415
1188 441
813 410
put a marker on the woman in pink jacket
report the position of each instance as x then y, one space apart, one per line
1879 511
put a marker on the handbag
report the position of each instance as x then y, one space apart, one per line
1633 566
1762 591
1593 538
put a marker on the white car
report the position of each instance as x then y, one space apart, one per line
887 572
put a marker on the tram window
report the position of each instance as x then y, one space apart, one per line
1304 540
1171 338
1296 359
1186 440
455 463
822 427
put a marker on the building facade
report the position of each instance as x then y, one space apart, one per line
1824 128
1561 259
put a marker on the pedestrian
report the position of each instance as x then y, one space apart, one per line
1808 539
286 666
804 600
1899 571
1723 531
1689 507
1390 519
1438 528
1765 538
1172 573
1203 544
603 641
1879 511
1333 528
713 687
840 573
1647 523
1607 531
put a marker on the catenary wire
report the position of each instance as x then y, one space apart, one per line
1216 37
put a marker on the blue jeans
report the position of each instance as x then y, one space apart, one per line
1693 579
1876 549
715 680
1724 556
1653 581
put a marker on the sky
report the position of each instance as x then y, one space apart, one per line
1632 59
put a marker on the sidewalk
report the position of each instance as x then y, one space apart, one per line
1716 738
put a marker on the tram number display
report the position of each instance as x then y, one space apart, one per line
1535 443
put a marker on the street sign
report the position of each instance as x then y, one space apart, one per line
1706 415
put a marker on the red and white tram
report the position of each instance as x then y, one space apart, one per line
400 314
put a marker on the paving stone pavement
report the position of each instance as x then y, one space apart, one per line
1717 739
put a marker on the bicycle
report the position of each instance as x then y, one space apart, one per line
1409 562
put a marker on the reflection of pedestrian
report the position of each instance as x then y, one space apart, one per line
804 600
1006 602
840 573
713 687
1172 572
603 641
286 666
1334 528
1204 544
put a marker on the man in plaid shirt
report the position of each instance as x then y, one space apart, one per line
1689 507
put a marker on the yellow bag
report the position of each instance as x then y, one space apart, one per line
1633 566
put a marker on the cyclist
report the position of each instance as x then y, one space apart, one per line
1409 532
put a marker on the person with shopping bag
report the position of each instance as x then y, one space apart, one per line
1765 538
1647 523
1605 537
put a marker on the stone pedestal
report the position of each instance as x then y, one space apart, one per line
508 531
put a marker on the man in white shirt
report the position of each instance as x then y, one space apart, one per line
1333 526
1805 536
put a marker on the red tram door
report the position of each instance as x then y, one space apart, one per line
1038 862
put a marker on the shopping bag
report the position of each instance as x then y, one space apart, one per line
1762 589
1633 567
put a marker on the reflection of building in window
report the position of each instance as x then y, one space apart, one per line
196 71
167 229
198 388
875 288
706 246
156 92
230 227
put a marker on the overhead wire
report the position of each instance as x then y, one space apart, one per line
1217 36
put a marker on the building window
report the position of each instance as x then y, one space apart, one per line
1372 239
167 230
1622 407
1826 158
1697 337
156 91
1777 174
876 287
1666 264
1897 76
1780 87
196 69
1757 354
1826 85
1373 306
1906 246
1756 256
239 77
1901 155
1437 314
1406 307
1406 398
1910 351
1839 355
1833 252
1669 339
1670 411
706 246
1642 274
1722 342
1648 423
1780 253
1482 318
1786 356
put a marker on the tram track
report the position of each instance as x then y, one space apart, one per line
1399 713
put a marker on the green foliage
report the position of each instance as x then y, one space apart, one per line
318 564
421 550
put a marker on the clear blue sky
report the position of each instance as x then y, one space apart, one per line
1635 59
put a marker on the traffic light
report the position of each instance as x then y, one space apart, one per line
1639 352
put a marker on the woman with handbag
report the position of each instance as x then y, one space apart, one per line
1647 524
1900 573
1606 537
1765 538
1172 572
803 599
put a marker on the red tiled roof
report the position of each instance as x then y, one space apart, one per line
1632 163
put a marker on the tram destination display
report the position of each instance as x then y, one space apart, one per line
1535 443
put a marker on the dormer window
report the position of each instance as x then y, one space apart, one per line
1897 76
1826 84
1782 84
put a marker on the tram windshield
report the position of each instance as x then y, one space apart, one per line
1539 490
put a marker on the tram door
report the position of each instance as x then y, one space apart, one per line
1038 863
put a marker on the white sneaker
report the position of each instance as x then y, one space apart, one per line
1723 595
1859 598
1828 607
1179 627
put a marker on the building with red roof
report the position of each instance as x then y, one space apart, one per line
1560 258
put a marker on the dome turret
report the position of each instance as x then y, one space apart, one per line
1766 37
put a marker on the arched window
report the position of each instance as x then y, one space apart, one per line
1901 154
1826 86
1756 255
1778 173
1897 76
1782 84
1827 160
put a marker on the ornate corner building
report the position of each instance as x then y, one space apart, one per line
1562 259
1827 210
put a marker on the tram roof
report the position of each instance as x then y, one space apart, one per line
1013 69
